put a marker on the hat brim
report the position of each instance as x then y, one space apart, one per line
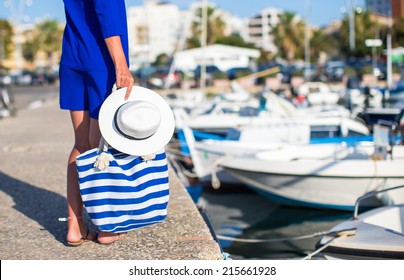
142 147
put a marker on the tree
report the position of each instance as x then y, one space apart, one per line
365 28
48 36
215 28
29 50
320 42
289 36
6 37
161 60
398 32
234 40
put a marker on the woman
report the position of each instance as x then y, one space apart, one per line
94 57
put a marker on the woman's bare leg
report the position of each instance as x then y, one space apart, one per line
87 136
82 126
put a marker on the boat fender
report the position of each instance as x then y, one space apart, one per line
346 232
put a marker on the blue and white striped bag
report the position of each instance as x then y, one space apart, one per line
130 193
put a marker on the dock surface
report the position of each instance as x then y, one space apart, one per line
34 148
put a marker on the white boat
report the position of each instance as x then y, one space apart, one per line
318 93
356 95
196 102
248 140
206 154
396 93
374 234
222 117
328 175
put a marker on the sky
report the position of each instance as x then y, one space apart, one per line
321 12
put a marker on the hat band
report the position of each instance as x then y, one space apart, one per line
124 134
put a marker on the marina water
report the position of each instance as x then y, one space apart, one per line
243 214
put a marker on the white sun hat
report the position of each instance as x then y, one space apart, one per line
140 125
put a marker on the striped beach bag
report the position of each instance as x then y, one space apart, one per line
122 192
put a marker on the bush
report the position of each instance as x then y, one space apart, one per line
368 69
298 73
220 75
349 71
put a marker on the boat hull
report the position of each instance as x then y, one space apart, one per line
377 234
320 184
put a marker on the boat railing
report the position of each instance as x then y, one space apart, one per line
371 194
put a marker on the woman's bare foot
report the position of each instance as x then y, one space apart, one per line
77 232
109 238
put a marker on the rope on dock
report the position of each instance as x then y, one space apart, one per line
337 235
334 234
179 168
229 238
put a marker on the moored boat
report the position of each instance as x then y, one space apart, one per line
374 234
330 175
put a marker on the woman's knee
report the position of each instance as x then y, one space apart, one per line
82 147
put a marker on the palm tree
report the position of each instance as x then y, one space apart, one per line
398 32
320 42
48 36
289 36
365 28
29 50
215 27
6 35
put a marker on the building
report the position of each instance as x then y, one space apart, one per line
23 33
381 7
395 8
233 24
259 27
157 28
154 29
224 57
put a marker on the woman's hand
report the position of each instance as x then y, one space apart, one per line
123 76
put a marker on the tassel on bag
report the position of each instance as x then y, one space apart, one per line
103 160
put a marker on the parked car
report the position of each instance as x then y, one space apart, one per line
28 78
334 70
5 80
160 77
211 71
237 72
156 77
142 74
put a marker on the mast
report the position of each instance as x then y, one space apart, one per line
307 42
389 61
204 25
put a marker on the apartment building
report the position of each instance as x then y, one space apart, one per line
154 29
381 7
157 27
258 29
395 8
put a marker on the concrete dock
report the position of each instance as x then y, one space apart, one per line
34 147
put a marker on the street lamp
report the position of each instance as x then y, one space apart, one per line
351 13
351 9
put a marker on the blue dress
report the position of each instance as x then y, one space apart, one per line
88 23
87 72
